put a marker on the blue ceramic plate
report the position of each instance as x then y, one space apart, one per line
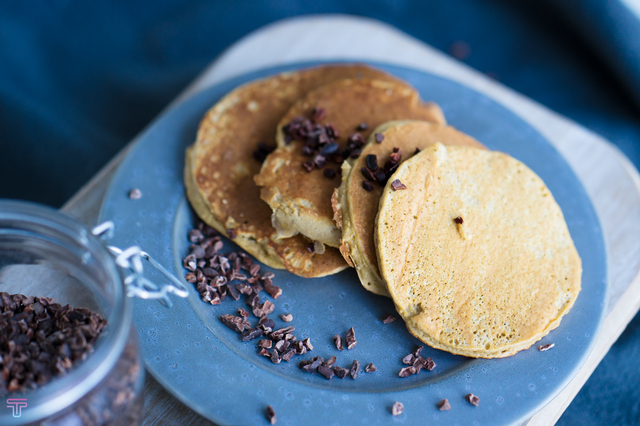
211 370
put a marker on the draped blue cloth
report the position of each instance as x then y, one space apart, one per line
79 79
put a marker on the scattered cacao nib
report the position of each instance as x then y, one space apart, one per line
362 126
286 317
233 322
397 185
332 132
355 369
304 363
252 334
458 220
275 357
370 368
546 347
272 290
429 364
288 355
253 299
409 359
320 160
263 309
301 349
327 372
472 399
388 319
311 247
444 405
368 174
271 415
262 151
243 313
407 371
418 363
135 194
233 292
367 186
338 341
282 345
390 168
329 173
264 352
244 288
307 344
340 372
309 165
351 338
417 151
329 362
280 333
356 140
254 270
198 252
379 137
195 236
372 162
417 350
381 177
397 408
232 233
41 339
396 155
311 365
246 323
265 343
267 322
189 263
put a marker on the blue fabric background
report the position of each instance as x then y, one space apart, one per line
79 79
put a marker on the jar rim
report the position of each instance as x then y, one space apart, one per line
64 391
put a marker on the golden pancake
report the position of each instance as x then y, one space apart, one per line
355 209
475 252
220 166
301 200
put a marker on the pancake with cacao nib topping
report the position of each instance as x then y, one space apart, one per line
315 136
221 164
355 208
475 251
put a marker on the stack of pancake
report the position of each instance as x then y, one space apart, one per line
469 243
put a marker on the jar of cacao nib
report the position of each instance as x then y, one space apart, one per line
68 351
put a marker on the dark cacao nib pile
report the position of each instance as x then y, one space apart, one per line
235 274
218 275
41 339
320 142
374 173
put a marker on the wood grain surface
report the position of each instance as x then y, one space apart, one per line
609 178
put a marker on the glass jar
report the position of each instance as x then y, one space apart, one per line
45 253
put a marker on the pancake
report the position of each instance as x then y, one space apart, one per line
301 200
475 252
355 209
220 166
